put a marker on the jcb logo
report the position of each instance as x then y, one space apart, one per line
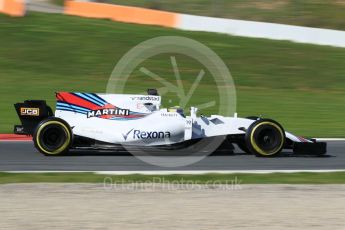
29 111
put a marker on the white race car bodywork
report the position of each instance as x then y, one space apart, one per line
138 120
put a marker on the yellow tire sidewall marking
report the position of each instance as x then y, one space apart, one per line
256 147
63 147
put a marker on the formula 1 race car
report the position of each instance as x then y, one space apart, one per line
89 120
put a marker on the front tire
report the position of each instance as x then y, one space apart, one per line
53 136
265 138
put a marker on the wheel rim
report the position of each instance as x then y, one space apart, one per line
52 137
267 138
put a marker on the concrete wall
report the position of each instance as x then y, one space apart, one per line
263 30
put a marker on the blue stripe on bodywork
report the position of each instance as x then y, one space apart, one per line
96 97
93 98
72 106
71 110
88 99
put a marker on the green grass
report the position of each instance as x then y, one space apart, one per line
312 13
272 178
302 86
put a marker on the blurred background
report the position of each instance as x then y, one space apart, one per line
314 13
46 50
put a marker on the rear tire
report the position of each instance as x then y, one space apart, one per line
53 136
265 138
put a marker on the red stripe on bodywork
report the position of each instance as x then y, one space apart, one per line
75 100
302 139
70 98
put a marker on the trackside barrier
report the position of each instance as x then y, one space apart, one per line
121 13
263 30
200 23
15 8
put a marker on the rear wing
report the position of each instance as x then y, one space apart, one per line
31 113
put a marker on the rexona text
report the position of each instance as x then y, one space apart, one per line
137 134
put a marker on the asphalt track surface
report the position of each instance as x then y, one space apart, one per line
22 156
